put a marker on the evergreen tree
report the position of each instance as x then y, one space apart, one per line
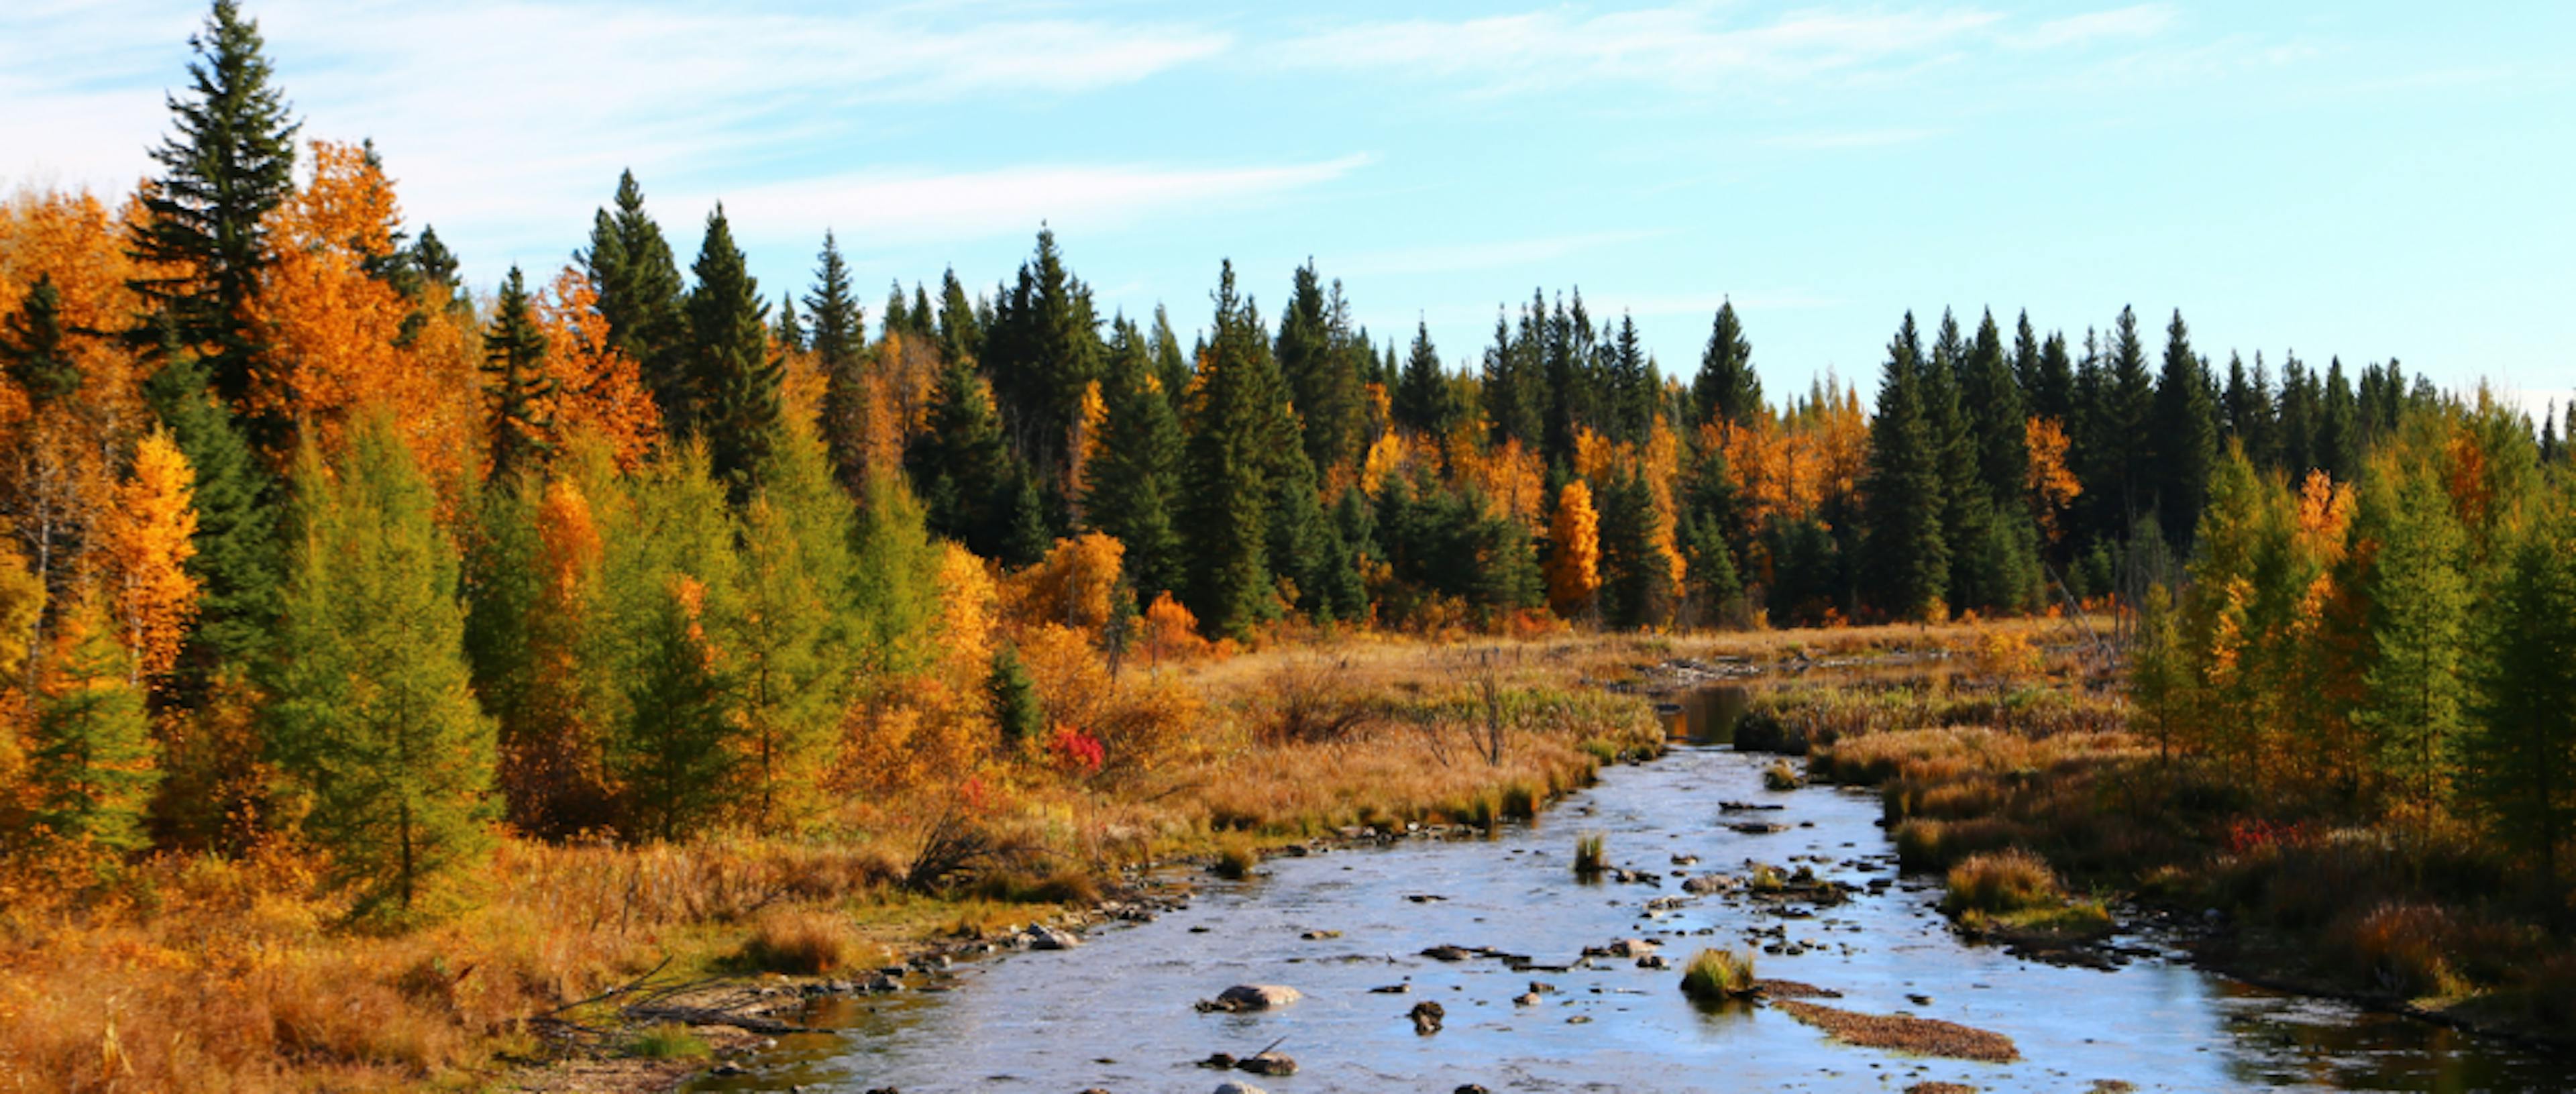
961 334
1513 390
2338 436
1013 697
1171 367
1025 532
637 278
1040 351
238 559
2301 414
516 384
1129 485
372 712
1994 404
789 333
33 348
732 374
1315 358
1726 386
1240 431
840 331
2185 437
1637 578
1631 394
230 164
893 571
1422 400
1909 560
671 572
92 761
961 464
2119 476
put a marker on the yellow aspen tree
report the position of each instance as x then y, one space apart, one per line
1574 551
147 537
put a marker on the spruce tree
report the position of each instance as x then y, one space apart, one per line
734 377
1314 354
34 349
372 712
229 165
961 334
1040 351
92 761
1130 485
2184 439
1636 580
1240 429
1727 387
2338 436
1422 401
789 332
960 464
637 278
239 559
893 570
671 575
1013 697
516 384
1909 560
840 341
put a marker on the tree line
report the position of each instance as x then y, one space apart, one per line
310 538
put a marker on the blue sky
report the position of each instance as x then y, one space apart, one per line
2363 179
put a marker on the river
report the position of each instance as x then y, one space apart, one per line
1116 1013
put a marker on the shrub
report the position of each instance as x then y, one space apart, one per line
1781 776
2001 883
2400 946
1235 857
1591 854
801 941
1719 974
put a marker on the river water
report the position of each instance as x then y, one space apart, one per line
1116 1012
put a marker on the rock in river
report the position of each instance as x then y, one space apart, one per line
1267 1063
1426 1017
1250 997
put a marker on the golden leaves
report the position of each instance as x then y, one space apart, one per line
146 539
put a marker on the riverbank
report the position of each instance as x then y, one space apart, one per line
236 974
2281 893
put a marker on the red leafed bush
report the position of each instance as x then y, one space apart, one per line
1076 750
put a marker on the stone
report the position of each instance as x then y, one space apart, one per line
1049 938
1232 1087
1448 953
1267 1063
1426 1017
1250 997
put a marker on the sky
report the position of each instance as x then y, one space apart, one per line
2366 180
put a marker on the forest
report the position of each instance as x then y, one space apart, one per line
334 571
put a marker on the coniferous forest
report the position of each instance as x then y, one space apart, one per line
342 591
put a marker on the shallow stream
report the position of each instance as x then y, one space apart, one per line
1116 1013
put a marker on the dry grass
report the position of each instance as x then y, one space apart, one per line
1719 974
802 941
1920 1036
2002 882
1591 854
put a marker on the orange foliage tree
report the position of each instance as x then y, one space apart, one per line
598 389
1574 551
145 540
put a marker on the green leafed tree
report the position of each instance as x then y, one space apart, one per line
372 713
2525 747
92 764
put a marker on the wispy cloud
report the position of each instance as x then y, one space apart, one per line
904 206
1687 46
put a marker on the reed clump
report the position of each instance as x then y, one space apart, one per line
1715 974
1591 854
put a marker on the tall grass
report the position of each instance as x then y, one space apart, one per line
1719 974
1591 854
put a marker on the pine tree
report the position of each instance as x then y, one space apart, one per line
2184 439
1637 577
789 333
1025 533
676 760
734 377
372 712
840 354
960 464
2339 427
638 280
1909 560
672 574
1422 401
92 764
33 349
1977 576
961 335
1314 354
517 384
230 164
1040 351
1727 387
